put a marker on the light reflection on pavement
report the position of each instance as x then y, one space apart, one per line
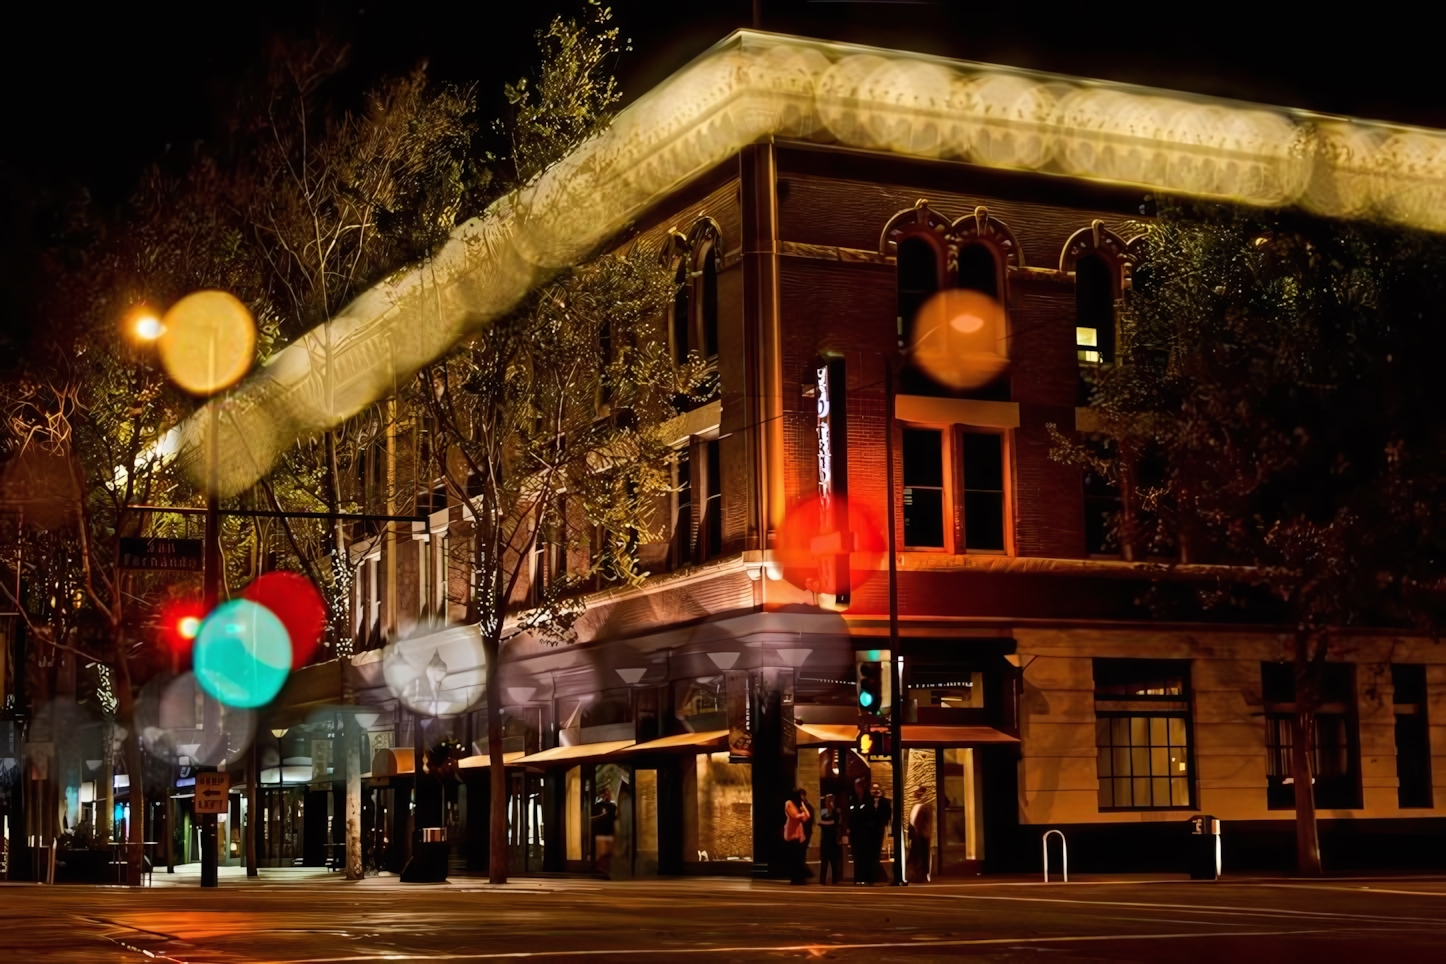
306 918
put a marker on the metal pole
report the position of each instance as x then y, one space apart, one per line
896 707
210 596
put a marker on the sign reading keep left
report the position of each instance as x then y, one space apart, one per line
212 789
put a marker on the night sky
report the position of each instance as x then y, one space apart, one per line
95 96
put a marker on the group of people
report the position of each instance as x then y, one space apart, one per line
863 827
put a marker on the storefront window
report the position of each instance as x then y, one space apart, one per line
725 809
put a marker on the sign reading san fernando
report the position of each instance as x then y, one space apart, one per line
183 555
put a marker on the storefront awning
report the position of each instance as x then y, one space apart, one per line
483 760
685 743
827 734
922 735
394 762
570 755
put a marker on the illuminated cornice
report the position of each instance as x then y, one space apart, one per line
753 86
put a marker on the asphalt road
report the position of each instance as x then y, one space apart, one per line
301 918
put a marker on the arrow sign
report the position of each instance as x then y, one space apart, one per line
212 792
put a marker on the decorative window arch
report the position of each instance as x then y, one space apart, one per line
1101 262
986 247
705 242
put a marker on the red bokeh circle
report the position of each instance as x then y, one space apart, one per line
296 602
806 536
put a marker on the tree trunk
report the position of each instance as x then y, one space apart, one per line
1307 842
1129 533
497 770
354 868
105 799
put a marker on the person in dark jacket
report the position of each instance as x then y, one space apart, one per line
830 842
868 826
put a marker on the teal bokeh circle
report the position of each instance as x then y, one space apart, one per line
242 654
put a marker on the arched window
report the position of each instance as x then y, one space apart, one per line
918 274
681 305
1094 300
708 295
978 270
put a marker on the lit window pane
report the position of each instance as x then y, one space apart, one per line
1142 791
1157 731
1086 337
1107 794
1159 761
1180 792
1162 791
1120 731
1139 731
1122 761
1105 769
1122 793
1177 731
1139 761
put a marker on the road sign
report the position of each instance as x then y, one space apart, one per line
212 789
182 555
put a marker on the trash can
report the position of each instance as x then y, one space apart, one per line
429 858
1204 847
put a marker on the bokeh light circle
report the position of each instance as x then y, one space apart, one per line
296 602
812 529
441 674
207 341
180 722
960 338
243 654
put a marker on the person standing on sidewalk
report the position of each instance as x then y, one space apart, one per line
796 814
921 830
830 842
870 824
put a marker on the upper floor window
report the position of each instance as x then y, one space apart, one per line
1094 299
923 488
979 269
682 319
918 280
708 296
983 454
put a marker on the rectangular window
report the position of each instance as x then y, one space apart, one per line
1413 737
1102 512
1142 734
1143 762
983 491
682 549
923 488
713 510
1334 753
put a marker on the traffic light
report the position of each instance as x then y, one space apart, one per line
871 687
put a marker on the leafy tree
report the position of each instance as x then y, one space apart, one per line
1282 374
550 417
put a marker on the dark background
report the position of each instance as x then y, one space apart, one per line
94 96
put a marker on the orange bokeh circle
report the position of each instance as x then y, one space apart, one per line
960 338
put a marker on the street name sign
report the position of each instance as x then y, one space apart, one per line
181 555
212 789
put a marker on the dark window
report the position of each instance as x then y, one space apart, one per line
709 295
923 488
713 509
1413 739
918 279
983 491
681 321
1102 510
683 521
978 269
1094 299
1335 758
1141 678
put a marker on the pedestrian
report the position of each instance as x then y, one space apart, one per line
921 831
604 825
807 828
869 825
795 843
830 842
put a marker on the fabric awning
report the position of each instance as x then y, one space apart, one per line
484 760
685 742
394 762
827 734
918 734
572 754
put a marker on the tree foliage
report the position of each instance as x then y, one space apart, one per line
1282 375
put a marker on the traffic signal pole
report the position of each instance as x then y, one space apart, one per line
210 594
896 661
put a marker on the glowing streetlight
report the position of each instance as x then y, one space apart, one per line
148 328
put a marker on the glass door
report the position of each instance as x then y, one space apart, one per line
959 841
